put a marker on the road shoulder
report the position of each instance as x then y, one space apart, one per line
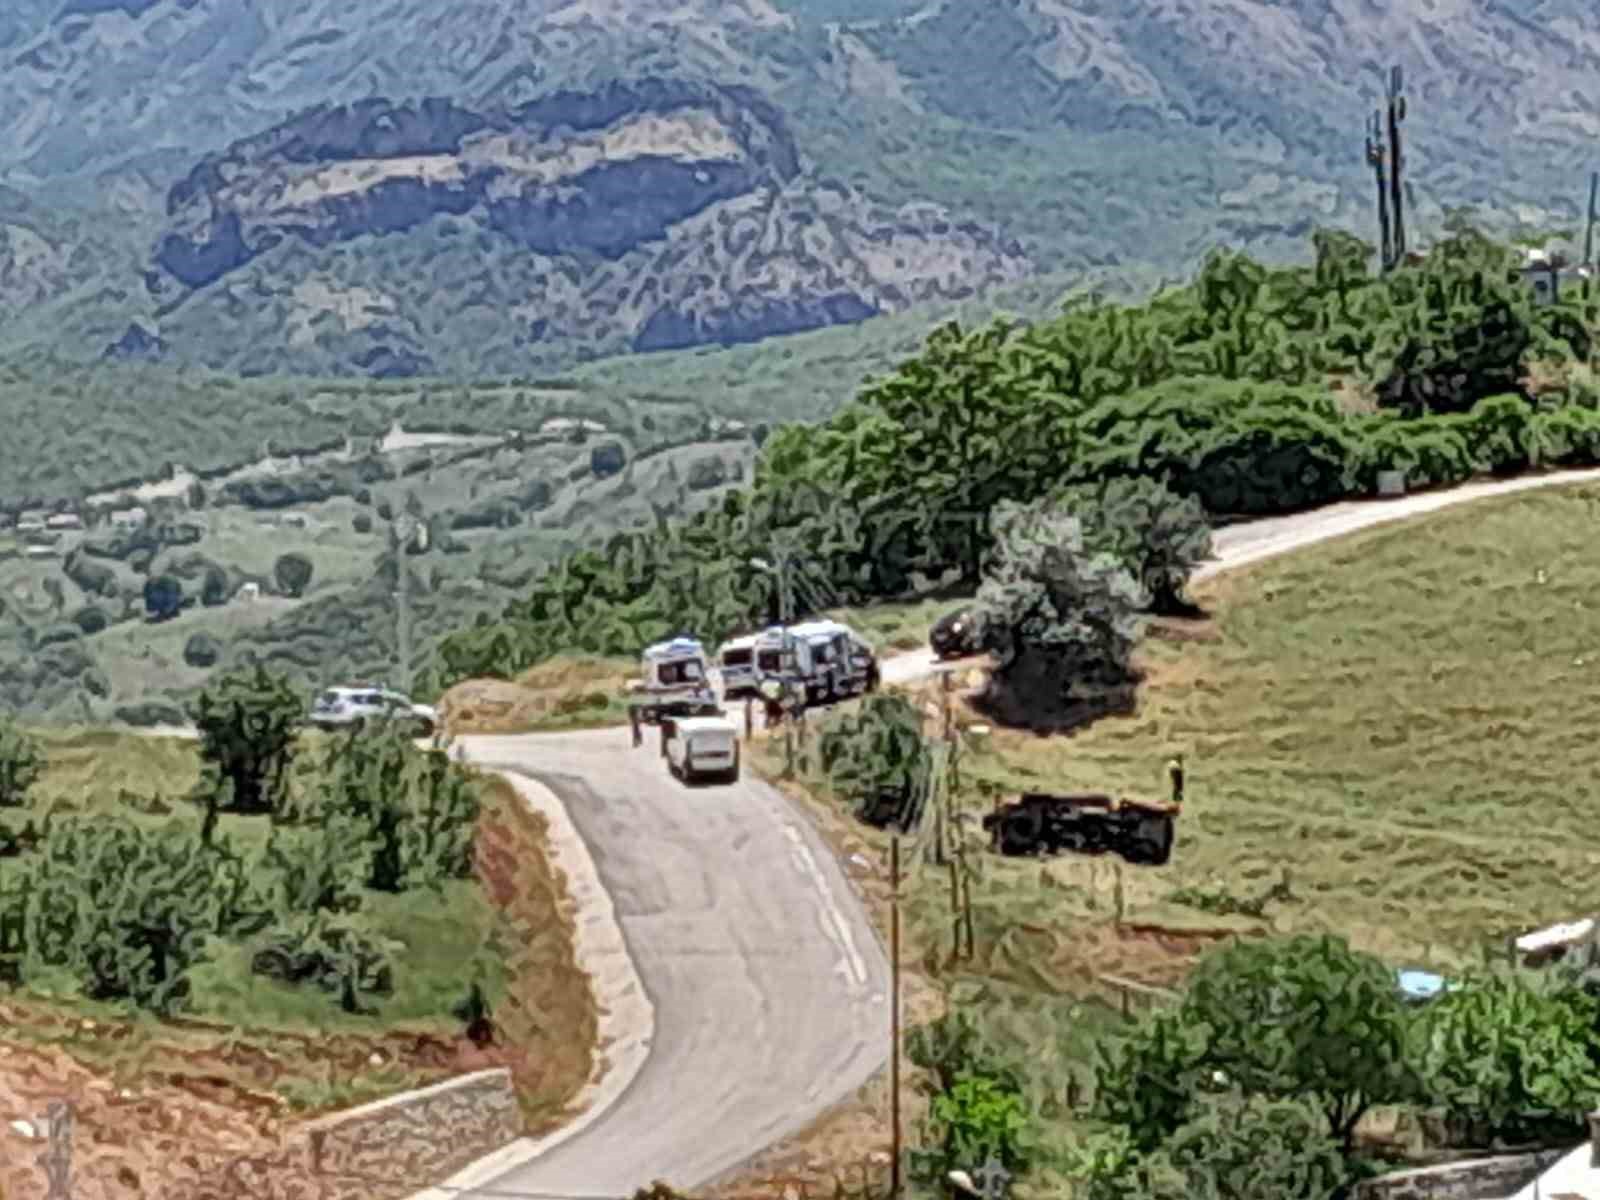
626 1016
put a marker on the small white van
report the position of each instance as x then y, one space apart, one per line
702 748
736 662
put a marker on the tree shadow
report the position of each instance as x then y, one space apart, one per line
1178 608
1046 715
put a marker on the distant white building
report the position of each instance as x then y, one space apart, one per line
249 593
64 521
129 518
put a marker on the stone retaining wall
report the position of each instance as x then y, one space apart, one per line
379 1151
419 1136
1475 1179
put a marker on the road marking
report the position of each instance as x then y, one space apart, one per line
841 927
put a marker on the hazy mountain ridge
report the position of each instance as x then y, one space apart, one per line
1048 133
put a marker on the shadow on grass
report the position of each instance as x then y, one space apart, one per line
1036 711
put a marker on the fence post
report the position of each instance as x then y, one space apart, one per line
749 717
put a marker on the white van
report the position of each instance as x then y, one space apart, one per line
702 747
736 662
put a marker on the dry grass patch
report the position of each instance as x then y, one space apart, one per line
563 693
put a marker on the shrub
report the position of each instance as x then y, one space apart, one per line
877 758
607 459
1509 1057
148 713
128 911
202 650
163 597
91 620
21 764
292 573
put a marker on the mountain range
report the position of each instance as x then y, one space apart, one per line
516 186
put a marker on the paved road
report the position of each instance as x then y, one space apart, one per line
769 985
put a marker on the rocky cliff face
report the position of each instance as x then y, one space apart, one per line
385 237
572 173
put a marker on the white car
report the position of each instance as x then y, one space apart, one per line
702 747
355 707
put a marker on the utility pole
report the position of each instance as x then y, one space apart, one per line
1375 149
1588 236
1397 114
894 1016
403 532
788 661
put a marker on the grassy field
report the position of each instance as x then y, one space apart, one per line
1396 720
508 924
1393 724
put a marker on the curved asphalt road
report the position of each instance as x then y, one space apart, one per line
769 985
768 982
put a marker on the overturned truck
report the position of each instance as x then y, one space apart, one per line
1141 831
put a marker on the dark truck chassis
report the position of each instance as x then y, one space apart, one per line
1038 823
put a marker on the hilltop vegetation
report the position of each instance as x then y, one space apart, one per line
1253 389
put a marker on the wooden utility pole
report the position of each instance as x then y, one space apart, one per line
1588 236
1397 114
1375 149
894 1016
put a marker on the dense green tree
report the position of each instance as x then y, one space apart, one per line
22 763
91 619
1510 1056
1304 1016
214 586
202 650
248 723
1159 536
1059 618
878 758
1232 1147
163 597
292 573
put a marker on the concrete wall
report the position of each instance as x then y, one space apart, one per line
1475 1179
420 1136
380 1151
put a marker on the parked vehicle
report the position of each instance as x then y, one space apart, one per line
701 747
736 661
356 707
954 635
832 661
1141 831
674 670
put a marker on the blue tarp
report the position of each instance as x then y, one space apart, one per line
1420 985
